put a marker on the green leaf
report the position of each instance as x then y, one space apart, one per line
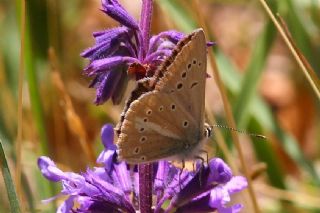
11 192
178 14
253 74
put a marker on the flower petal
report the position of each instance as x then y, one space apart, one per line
108 158
236 184
66 206
205 179
117 12
49 169
107 86
122 174
110 34
112 195
197 205
162 173
107 136
220 172
171 35
120 88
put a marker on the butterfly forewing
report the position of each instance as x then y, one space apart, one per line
185 77
163 123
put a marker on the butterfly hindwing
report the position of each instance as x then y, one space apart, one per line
149 130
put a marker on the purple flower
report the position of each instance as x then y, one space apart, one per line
114 186
118 48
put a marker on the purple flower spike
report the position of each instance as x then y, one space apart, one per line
118 48
114 187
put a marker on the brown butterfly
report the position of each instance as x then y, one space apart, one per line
164 118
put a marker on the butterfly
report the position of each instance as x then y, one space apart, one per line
164 118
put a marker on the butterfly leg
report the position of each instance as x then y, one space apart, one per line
193 167
183 166
201 167
207 156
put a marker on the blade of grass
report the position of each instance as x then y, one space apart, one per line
289 144
247 102
315 86
178 14
20 96
252 75
228 111
11 192
32 79
46 189
265 153
232 80
74 122
292 148
303 59
294 17
257 110
182 18
25 183
301 199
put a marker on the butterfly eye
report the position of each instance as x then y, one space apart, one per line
149 112
145 120
189 66
143 139
199 64
160 108
136 150
207 132
184 74
143 158
194 61
141 129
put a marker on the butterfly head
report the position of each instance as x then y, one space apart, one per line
207 130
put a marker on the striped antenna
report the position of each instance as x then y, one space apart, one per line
241 131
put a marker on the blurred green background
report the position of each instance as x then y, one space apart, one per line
268 93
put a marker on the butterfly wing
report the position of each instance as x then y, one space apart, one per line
185 78
167 121
149 131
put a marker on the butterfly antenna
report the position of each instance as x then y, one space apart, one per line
241 131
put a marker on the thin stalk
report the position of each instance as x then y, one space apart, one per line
145 187
145 25
20 97
315 85
229 116
145 170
